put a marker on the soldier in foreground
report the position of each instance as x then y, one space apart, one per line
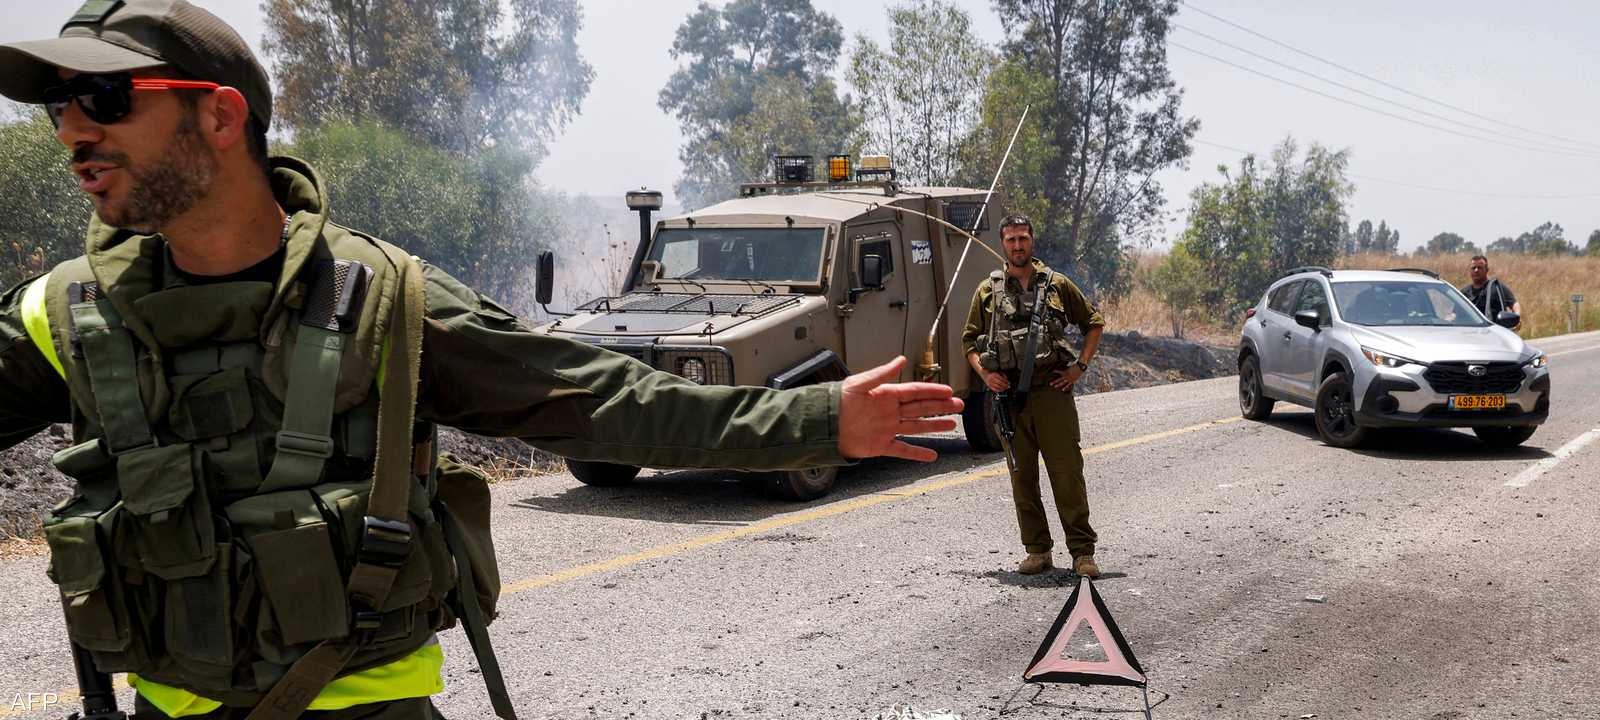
260 529
1016 340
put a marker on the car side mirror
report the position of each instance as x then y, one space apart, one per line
1508 319
545 288
1309 318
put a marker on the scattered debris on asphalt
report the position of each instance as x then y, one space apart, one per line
907 712
1316 598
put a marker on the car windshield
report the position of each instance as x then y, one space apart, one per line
771 254
1401 302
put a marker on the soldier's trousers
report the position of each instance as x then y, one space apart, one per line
1048 426
413 709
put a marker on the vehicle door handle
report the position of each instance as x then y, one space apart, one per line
897 303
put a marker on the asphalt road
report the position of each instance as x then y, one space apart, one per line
1456 582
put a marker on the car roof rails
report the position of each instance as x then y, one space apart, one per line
1424 271
1326 272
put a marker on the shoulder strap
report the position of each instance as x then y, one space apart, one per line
386 532
109 354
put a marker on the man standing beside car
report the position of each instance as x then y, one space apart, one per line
996 340
1489 294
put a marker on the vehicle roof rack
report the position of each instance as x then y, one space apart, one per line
1326 272
1424 271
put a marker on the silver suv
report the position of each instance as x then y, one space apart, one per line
1401 348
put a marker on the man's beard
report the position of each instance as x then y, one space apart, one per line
1019 262
168 187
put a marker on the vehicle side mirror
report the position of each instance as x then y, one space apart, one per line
649 272
872 272
1507 319
545 288
871 276
1309 318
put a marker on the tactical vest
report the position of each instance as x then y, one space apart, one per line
1002 348
256 510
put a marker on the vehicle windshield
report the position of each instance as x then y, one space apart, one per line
1400 302
769 254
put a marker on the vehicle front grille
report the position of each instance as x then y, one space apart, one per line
1453 378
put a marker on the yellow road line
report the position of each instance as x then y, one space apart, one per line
70 696
865 501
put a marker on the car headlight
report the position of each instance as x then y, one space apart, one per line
1538 361
1385 359
694 369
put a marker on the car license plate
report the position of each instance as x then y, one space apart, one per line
1477 402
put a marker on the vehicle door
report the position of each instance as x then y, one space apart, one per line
1275 334
1307 345
875 322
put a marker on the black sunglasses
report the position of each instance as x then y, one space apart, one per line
107 99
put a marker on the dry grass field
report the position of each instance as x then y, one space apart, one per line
1542 284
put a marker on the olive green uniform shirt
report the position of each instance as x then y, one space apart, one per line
1076 307
485 372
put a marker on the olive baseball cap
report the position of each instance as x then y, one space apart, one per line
112 36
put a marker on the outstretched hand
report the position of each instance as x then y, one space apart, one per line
873 411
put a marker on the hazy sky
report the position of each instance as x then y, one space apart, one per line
1526 65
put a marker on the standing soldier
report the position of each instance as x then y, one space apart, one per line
259 528
1016 341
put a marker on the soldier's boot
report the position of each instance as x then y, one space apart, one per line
1085 565
1035 563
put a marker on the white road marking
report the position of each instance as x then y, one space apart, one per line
1574 350
1543 466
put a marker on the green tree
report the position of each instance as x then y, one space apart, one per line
1547 239
1384 241
459 74
1259 222
478 217
45 213
1364 237
739 59
1110 119
917 94
1179 282
1593 248
790 116
1448 243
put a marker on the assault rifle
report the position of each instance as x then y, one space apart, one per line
94 688
1017 397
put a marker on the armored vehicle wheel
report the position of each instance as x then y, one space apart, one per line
1253 401
1336 413
977 421
602 474
1505 437
802 485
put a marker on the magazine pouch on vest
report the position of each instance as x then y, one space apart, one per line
248 545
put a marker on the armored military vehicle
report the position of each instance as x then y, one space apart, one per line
797 282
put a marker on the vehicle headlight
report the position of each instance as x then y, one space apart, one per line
693 369
1538 361
1385 359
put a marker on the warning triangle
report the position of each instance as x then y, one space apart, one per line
1052 663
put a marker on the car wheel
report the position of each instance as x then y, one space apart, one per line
1253 401
1505 437
977 421
602 474
1336 413
803 485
